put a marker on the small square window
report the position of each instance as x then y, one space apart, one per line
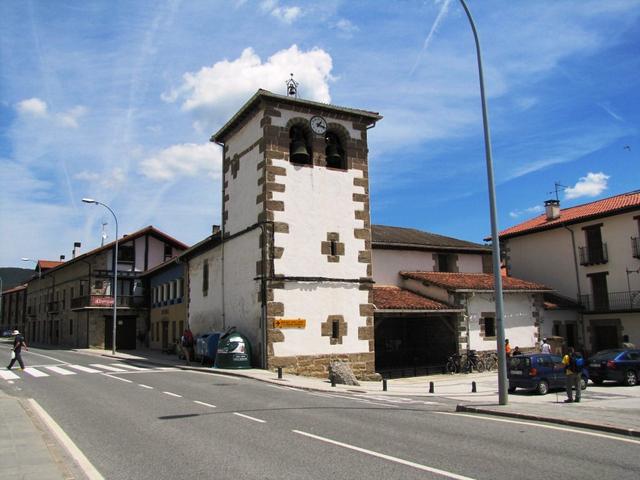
489 326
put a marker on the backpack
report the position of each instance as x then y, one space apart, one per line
576 363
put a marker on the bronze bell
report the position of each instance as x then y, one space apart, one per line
299 153
334 159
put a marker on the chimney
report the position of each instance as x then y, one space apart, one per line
76 249
215 229
552 208
62 258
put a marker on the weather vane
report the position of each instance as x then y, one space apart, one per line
292 87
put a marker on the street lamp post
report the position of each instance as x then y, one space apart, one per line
495 241
115 274
26 259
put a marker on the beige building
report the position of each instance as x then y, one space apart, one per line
589 254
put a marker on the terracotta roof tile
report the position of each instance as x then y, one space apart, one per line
472 281
579 213
389 297
383 236
46 264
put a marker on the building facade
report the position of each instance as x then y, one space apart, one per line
14 308
590 254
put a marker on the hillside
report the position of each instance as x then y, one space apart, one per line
12 276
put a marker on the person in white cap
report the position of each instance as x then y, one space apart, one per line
18 345
545 347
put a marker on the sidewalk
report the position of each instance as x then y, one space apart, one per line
609 408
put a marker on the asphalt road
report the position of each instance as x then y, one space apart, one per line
163 423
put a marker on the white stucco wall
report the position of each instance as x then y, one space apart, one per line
243 190
315 302
287 115
156 253
547 257
387 263
519 323
318 200
549 317
205 312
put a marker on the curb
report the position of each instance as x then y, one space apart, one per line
632 432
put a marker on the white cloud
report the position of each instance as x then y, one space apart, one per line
346 26
590 186
187 159
527 211
285 14
32 106
71 116
607 108
86 176
107 180
214 93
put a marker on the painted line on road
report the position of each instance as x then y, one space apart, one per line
8 375
60 371
419 466
107 367
204 404
34 372
130 367
172 394
82 461
540 425
249 418
82 368
118 378
145 386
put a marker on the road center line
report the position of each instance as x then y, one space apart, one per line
118 378
172 394
385 457
249 418
540 425
145 386
204 404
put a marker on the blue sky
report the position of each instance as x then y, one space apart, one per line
116 100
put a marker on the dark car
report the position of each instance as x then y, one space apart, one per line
540 372
621 365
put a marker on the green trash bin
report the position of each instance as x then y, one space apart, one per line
234 351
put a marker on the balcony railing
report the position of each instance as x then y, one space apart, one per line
613 302
593 255
106 301
635 247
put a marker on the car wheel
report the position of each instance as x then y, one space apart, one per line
511 389
630 378
583 383
543 387
597 381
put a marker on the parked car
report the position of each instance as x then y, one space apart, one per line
540 372
621 365
6 333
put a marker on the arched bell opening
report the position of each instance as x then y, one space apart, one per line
300 146
334 151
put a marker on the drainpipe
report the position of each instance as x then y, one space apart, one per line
575 267
265 257
222 232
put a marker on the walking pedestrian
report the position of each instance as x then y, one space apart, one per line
18 345
187 344
545 347
573 363
507 348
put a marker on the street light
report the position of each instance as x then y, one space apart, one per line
115 274
26 259
503 397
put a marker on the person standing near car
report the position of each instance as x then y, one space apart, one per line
18 345
545 347
573 364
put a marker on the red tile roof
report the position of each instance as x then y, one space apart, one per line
580 213
46 264
472 281
387 297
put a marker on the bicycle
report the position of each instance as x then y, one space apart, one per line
491 361
473 361
454 363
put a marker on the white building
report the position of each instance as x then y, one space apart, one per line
589 253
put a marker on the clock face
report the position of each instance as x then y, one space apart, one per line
318 125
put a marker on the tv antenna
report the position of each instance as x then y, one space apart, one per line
557 187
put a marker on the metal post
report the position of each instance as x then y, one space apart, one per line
503 397
431 387
473 387
279 373
384 384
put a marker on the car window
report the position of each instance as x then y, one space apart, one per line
633 355
606 355
556 358
519 362
545 361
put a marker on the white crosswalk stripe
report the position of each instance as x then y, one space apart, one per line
60 371
82 368
34 372
108 367
130 367
8 375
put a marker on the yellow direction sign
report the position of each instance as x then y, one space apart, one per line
290 323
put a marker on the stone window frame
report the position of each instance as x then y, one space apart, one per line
484 316
333 248
327 329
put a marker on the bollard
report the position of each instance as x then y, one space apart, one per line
384 384
333 381
431 389
279 373
473 387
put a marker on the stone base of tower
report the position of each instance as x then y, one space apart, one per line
362 364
